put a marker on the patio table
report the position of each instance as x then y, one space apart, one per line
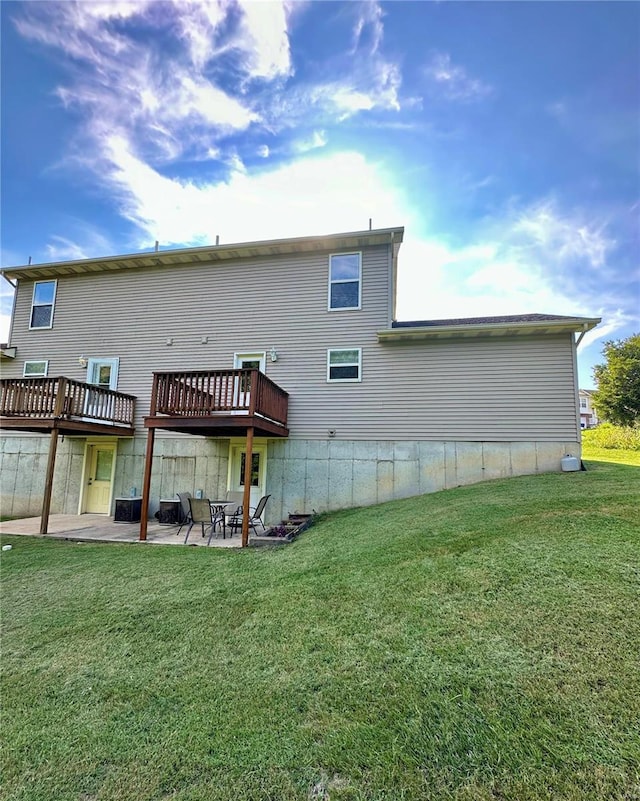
219 507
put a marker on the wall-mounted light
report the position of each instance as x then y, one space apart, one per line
331 432
169 340
83 361
274 354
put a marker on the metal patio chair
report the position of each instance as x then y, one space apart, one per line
204 515
185 508
255 515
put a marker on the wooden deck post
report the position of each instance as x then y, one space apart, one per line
48 482
246 500
146 484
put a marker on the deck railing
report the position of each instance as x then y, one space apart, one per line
206 393
66 399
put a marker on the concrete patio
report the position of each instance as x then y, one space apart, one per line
101 528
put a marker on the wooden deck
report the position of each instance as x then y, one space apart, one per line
218 403
65 405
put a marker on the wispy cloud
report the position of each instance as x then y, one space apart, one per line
368 30
453 82
251 206
535 258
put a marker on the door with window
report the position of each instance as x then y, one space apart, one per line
101 373
99 469
247 361
237 464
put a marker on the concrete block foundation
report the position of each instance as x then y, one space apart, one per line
301 475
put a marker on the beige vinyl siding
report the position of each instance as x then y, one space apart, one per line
239 306
485 389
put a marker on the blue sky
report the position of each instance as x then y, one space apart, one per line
504 136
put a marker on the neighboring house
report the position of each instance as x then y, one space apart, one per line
158 372
588 413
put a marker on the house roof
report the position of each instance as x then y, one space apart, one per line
506 325
210 253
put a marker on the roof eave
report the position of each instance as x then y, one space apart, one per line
209 253
578 324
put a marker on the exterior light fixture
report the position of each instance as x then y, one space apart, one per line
274 354
83 361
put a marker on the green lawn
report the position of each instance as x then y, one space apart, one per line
479 643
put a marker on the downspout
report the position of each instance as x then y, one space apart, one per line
579 340
393 278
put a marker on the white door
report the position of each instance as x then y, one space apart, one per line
101 373
247 361
100 464
258 470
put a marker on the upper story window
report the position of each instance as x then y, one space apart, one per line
33 369
345 281
583 403
344 365
44 297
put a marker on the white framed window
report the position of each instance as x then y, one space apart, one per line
583 403
344 364
42 304
35 369
345 281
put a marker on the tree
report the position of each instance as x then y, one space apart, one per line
617 398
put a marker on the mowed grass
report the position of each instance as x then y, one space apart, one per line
478 643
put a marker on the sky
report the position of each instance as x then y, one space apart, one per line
504 136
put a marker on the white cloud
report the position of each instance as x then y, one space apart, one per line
316 140
368 29
453 81
264 38
300 198
539 258
567 237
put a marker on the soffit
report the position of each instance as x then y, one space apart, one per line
209 254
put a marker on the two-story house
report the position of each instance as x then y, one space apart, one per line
275 364
588 413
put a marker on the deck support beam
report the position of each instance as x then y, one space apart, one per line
246 500
48 482
146 484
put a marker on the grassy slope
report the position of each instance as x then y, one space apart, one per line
479 643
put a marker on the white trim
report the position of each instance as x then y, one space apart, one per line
53 281
42 374
253 355
346 364
94 363
331 308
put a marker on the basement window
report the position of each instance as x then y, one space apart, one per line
44 297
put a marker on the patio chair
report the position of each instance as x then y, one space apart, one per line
235 505
186 510
255 515
203 514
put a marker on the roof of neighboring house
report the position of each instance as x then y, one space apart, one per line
504 325
210 253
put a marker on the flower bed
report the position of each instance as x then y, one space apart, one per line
286 531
